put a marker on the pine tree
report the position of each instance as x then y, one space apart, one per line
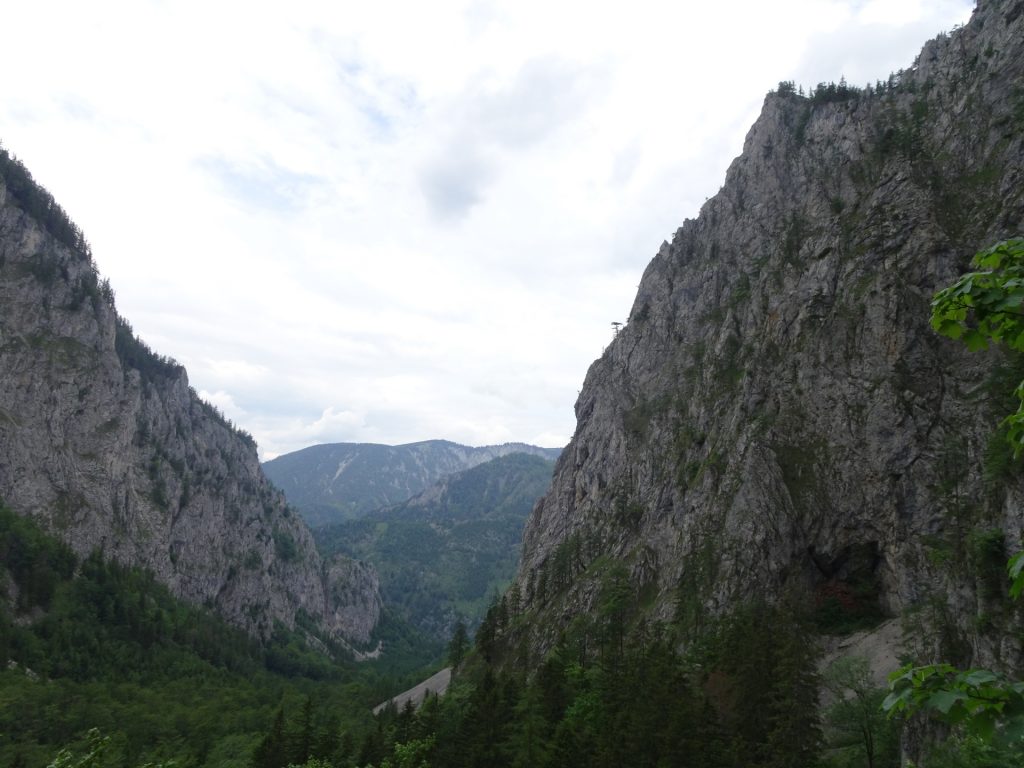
459 644
302 737
272 752
528 741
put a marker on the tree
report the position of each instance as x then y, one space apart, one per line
981 308
527 740
411 754
272 751
857 730
302 737
987 307
459 644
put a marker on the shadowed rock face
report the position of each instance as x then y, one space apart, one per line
107 444
777 416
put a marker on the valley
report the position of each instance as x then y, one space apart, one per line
787 479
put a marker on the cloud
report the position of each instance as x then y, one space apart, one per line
349 228
492 122
875 39
545 94
264 186
454 180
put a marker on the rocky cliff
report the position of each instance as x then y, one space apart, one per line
105 442
777 416
341 481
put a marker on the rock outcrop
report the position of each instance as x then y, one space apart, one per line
105 442
777 416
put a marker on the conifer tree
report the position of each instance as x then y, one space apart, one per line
272 751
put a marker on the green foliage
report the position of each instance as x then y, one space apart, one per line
37 562
765 684
411 754
284 546
987 550
108 647
980 308
443 558
165 681
459 644
965 751
977 699
1016 570
40 205
136 354
985 307
744 695
986 706
94 755
830 93
857 731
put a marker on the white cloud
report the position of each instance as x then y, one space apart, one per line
396 221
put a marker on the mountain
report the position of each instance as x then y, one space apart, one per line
777 419
105 443
340 481
444 553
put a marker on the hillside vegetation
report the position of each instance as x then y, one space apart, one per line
445 553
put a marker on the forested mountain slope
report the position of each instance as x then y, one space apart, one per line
340 481
104 442
443 553
777 418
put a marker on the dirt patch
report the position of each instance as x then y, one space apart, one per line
434 684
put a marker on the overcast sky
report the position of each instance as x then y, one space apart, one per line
397 221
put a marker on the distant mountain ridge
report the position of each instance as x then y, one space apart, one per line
342 481
443 553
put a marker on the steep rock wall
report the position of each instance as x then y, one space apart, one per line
106 443
777 416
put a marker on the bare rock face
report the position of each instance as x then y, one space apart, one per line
777 417
105 442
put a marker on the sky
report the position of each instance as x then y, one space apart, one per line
399 221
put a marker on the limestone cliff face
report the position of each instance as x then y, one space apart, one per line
107 444
777 415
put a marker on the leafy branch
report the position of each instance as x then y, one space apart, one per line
988 307
980 308
980 701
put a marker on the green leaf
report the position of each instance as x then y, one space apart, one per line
975 341
1011 301
1016 570
893 703
950 328
977 677
944 700
984 725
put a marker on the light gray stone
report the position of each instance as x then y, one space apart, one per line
135 465
777 402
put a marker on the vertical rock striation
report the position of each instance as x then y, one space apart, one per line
105 442
777 415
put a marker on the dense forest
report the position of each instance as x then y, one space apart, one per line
93 644
102 667
443 555
116 672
